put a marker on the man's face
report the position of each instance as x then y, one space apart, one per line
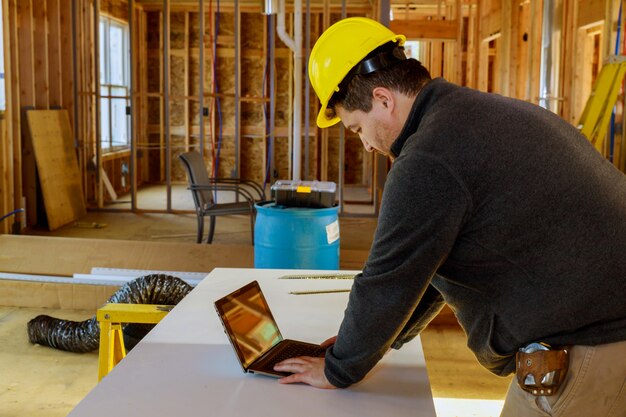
376 128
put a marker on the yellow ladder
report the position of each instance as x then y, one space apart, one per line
594 122
111 317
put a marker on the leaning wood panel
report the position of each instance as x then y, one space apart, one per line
59 176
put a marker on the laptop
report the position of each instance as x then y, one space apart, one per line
254 334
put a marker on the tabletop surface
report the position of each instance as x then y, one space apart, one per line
186 367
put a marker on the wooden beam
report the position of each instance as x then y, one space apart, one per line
83 122
162 101
491 18
6 197
477 45
40 43
568 58
186 80
515 46
27 98
590 13
66 62
483 66
213 127
364 8
436 59
5 157
93 52
470 57
534 52
445 30
54 53
13 158
26 52
265 164
458 54
138 103
496 74
504 69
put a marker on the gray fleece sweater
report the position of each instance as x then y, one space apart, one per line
503 211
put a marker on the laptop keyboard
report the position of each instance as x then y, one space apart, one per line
293 350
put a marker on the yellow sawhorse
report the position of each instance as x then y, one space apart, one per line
111 317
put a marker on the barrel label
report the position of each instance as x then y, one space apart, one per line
332 232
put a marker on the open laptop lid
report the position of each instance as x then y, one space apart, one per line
248 323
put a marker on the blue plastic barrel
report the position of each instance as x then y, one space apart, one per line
296 238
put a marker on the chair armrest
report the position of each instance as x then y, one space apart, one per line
252 184
225 187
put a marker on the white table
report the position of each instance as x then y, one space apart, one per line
185 367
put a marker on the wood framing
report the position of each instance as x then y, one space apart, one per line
51 61
6 191
432 30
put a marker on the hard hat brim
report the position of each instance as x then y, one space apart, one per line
323 121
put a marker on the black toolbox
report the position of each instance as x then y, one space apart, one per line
296 193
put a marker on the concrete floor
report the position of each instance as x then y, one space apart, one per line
39 381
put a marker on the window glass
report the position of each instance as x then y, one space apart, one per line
412 49
105 122
119 122
116 54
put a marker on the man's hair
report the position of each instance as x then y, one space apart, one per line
408 77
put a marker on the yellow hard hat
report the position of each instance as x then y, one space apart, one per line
341 47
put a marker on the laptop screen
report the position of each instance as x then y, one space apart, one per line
249 322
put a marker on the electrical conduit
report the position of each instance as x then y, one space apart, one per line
295 45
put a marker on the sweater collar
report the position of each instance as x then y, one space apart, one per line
422 102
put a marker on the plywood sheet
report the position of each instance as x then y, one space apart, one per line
34 294
59 176
60 256
63 256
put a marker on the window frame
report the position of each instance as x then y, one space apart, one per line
107 142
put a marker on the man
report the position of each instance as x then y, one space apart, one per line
494 206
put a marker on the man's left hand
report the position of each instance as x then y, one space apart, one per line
305 369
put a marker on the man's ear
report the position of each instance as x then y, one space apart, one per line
384 97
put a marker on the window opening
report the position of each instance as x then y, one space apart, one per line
114 84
